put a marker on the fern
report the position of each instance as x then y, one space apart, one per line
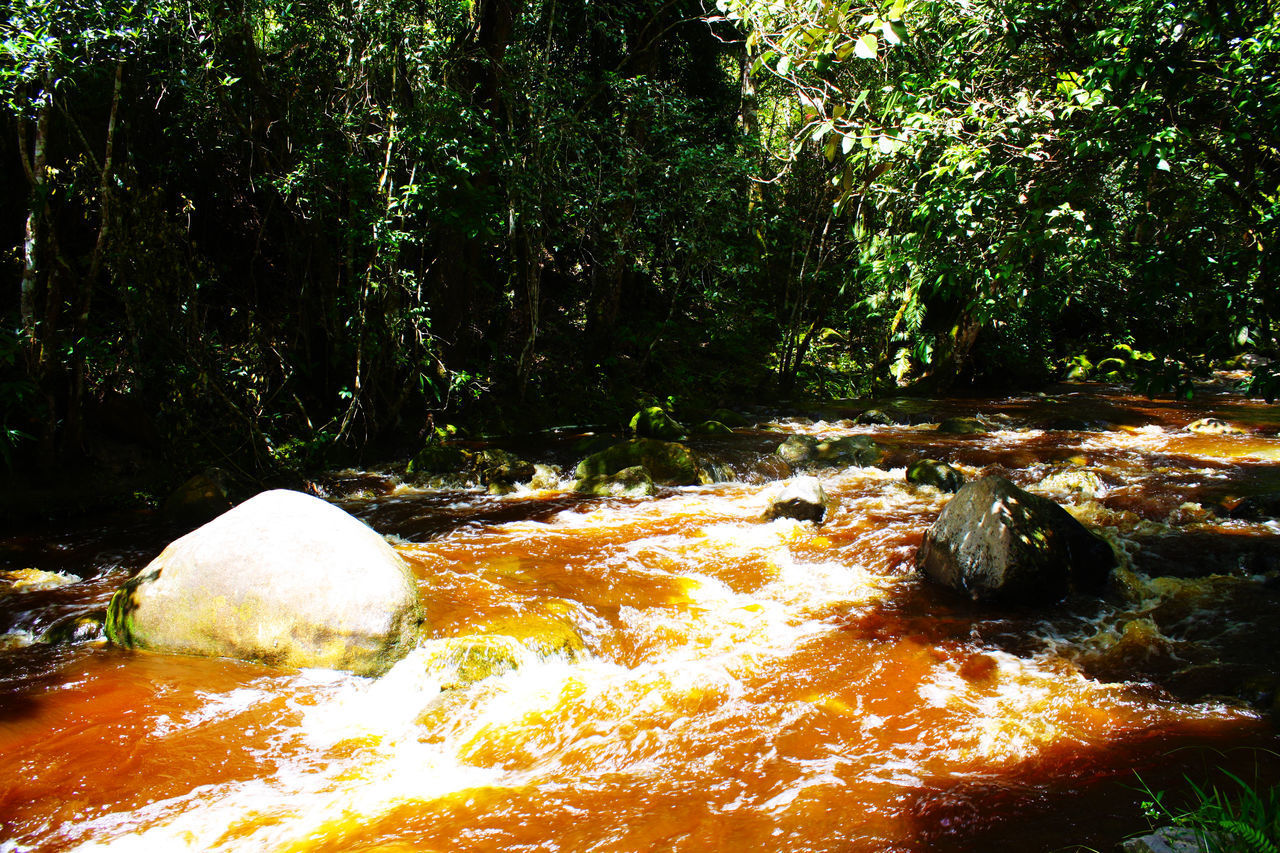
1254 838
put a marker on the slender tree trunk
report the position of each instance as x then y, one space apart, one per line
84 296
34 238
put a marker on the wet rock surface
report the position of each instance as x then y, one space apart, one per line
995 542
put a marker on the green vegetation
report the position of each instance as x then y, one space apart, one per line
1240 816
273 233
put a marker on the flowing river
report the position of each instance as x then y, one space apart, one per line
740 685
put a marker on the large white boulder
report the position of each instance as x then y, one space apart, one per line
284 579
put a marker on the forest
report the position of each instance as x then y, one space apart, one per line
274 234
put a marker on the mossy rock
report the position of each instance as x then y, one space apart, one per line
201 498
961 426
668 463
500 467
712 428
800 450
88 628
729 418
654 422
1111 368
633 482
438 459
931 472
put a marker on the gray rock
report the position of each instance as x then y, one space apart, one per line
802 498
996 542
284 579
1170 839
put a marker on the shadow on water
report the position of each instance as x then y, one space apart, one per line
1076 799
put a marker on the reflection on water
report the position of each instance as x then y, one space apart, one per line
739 684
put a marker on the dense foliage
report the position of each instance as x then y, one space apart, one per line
250 231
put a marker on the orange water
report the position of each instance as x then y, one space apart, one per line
747 685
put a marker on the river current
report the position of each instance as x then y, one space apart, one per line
741 684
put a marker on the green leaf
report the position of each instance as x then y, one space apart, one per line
867 47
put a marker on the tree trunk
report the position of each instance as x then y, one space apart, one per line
74 437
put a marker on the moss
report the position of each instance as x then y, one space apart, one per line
667 462
654 422
438 459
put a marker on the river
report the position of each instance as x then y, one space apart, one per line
741 684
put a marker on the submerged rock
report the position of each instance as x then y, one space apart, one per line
1214 426
931 472
284 579
32 580
668 463
503 645
996 542
654 422
1075 480
874 417
802 498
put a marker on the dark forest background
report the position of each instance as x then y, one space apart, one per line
281 233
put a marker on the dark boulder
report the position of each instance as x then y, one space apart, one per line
995 542
874 417
1256 507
